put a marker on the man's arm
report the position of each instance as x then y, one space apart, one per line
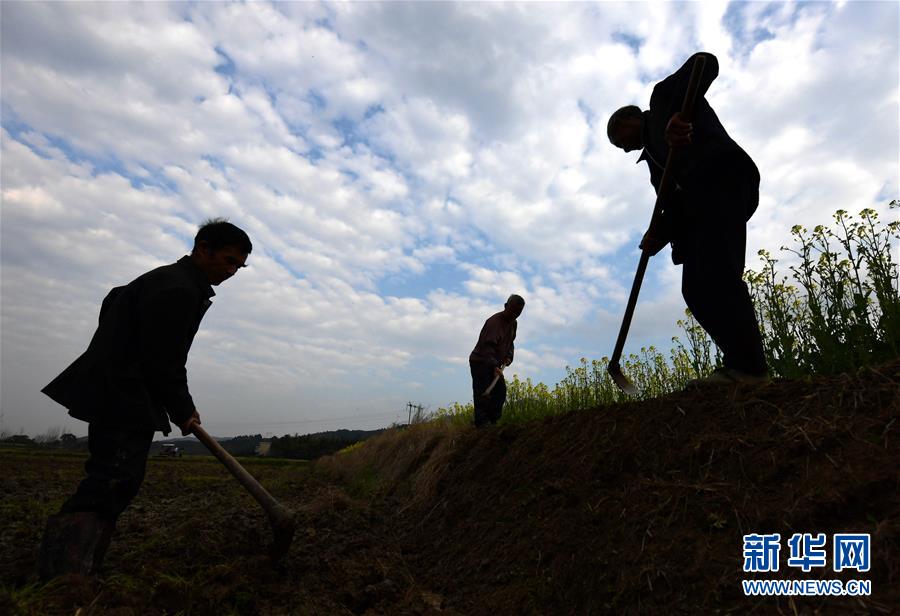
492 340
679 132
659 235
166 322
489 342
668 97
676 84
512 345
108 301
665 107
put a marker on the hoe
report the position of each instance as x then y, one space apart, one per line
280 517
490 388
665 187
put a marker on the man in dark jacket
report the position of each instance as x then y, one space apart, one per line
717 190
130 383
493 351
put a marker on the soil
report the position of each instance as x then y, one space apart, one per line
636 508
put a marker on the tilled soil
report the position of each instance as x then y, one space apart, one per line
637 508
193 542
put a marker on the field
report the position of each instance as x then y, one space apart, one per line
632 508
193 542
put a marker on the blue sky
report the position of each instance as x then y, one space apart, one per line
401 169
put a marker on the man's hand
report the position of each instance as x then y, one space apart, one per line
498 371
678 132
189 423
652 242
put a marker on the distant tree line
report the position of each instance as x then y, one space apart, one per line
305 447
237 446
54 438
242 445
312 446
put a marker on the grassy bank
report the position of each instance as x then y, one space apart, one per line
641 507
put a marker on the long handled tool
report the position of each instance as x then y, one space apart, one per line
665 188
280 517
490 388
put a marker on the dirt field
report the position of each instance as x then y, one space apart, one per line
633 509
194 542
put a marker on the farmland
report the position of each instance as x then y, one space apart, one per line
630 508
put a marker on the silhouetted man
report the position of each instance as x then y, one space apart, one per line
130 383
706 217
493 351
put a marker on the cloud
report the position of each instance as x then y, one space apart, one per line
401 168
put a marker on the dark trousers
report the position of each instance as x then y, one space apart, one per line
115 470
487 409
713 248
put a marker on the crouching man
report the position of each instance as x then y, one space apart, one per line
130 382
491 354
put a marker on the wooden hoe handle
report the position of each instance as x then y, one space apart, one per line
280 517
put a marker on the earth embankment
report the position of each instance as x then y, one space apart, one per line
643 507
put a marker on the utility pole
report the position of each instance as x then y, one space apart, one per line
409 412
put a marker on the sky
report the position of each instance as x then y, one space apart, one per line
401 168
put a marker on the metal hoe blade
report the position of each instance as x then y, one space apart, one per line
621 381
283 526
490 388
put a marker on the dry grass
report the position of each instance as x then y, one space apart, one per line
408 461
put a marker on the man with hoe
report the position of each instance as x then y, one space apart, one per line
494 351
130 383
705 219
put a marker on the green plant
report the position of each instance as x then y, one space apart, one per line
843 312
839 311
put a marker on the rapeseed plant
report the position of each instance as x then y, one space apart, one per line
840 312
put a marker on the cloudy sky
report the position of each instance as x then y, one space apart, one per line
401 168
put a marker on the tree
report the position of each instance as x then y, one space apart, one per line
50 436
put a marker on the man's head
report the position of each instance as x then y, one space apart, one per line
514 306
220 249
624 128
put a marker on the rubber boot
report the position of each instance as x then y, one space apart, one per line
74 542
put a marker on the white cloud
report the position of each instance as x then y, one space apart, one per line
457 151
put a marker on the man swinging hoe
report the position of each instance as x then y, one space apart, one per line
708 188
